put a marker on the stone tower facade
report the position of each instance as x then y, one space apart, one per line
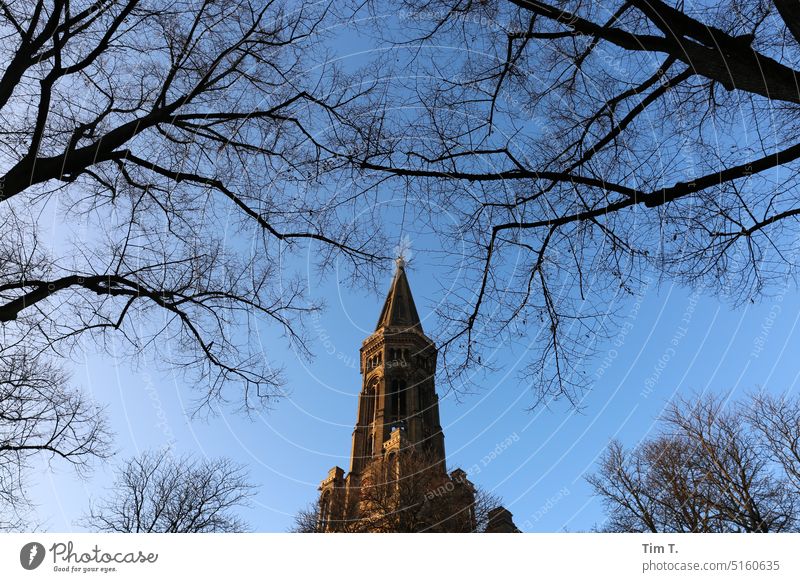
398 362
398 479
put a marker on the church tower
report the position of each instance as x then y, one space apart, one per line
398 480
398 362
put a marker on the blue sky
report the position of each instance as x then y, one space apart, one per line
674 340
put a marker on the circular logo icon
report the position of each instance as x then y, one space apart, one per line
31 555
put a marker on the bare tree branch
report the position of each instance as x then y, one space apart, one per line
41 418
705 471
158 493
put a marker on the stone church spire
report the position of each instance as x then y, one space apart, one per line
398 363
397 422
399 310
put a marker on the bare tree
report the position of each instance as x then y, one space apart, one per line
41 419
158 493
777 421
575 149
177 147
706 471
407 493
578 148
307 520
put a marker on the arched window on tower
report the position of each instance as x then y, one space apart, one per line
369 405
398 395
367 418
403 399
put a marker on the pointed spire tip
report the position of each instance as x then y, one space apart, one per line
399 309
